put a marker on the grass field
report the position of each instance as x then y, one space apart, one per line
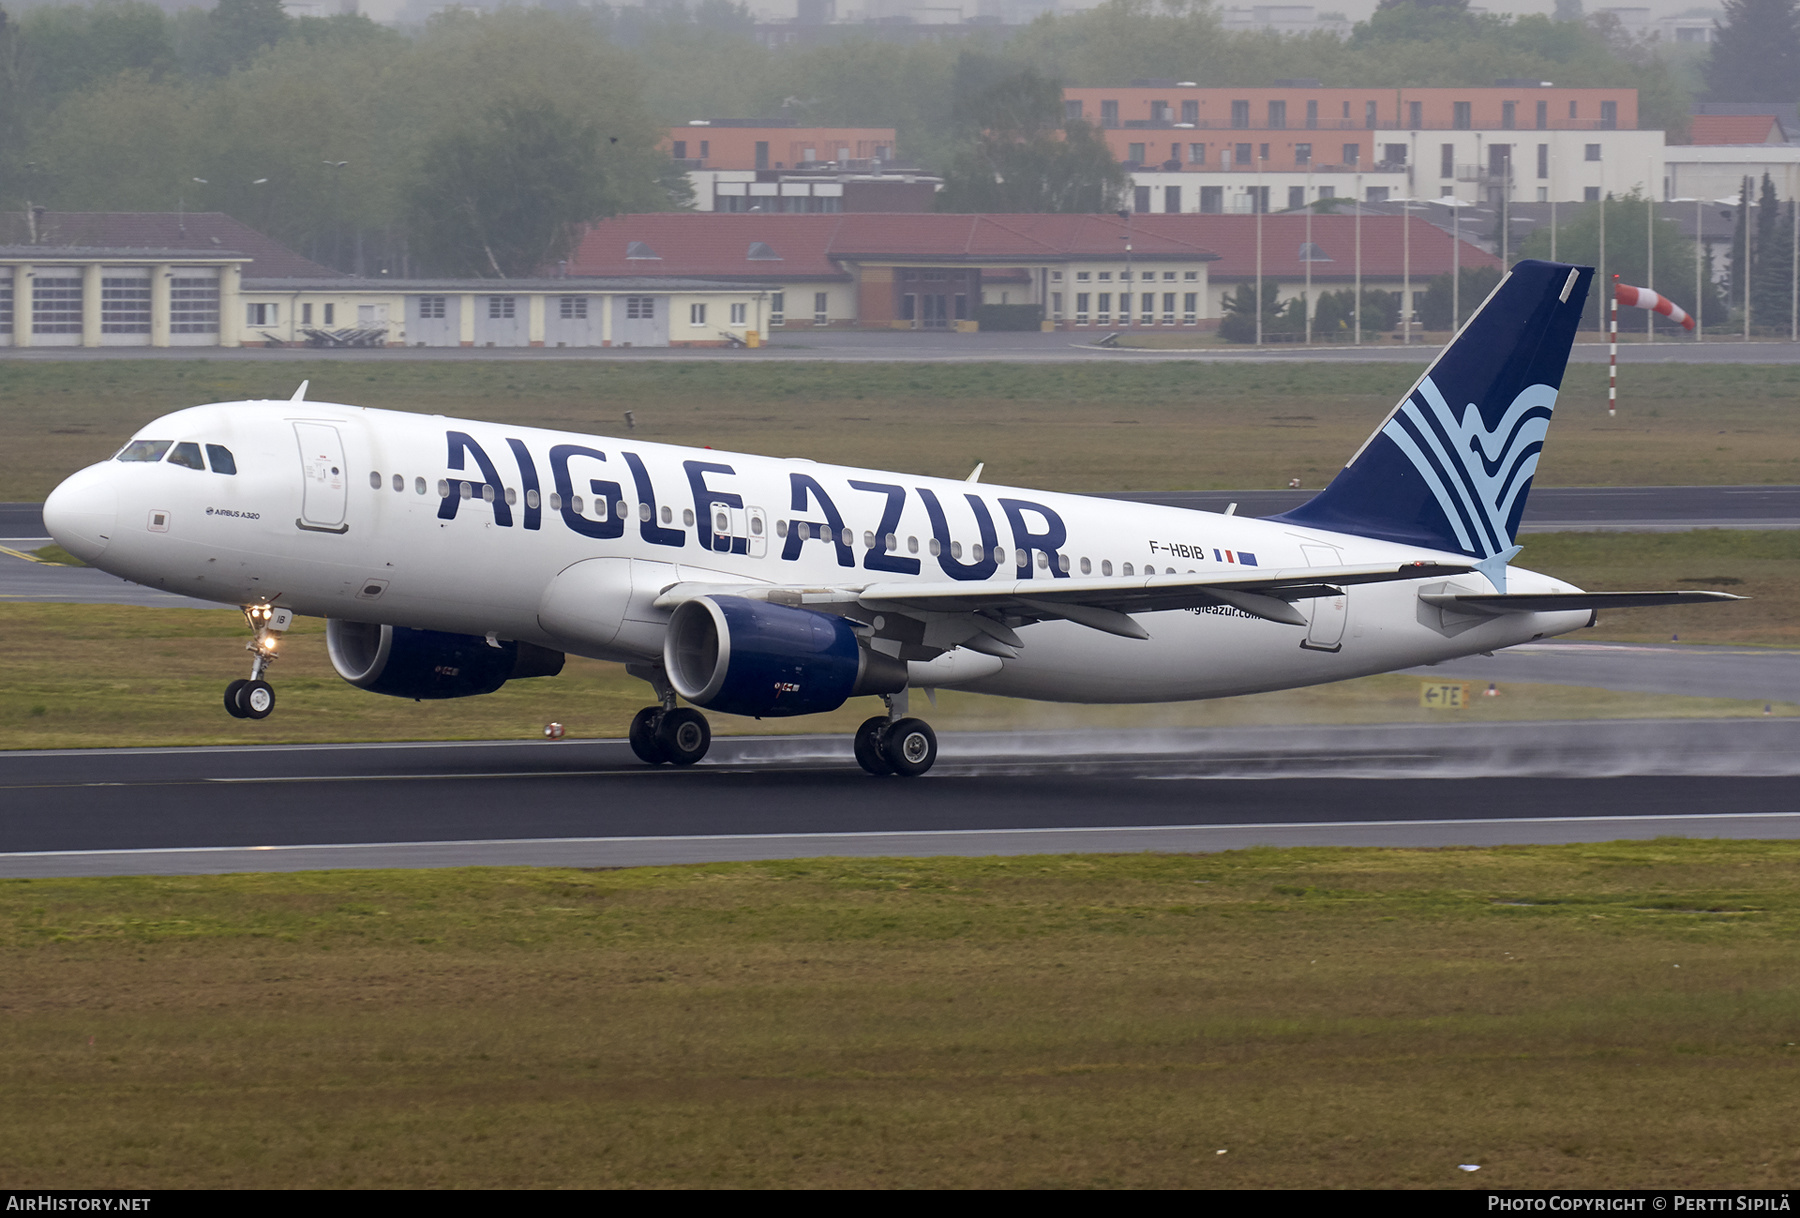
1612 1016
1111 427
99 675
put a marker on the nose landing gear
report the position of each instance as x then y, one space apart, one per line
255 698
895 744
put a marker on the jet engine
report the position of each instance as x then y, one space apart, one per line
419 664
745 657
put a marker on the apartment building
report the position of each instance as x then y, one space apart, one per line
1223 151
767 165
760 143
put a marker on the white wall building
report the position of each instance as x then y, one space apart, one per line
1473 166
1715 172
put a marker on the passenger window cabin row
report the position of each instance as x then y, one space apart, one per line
891 543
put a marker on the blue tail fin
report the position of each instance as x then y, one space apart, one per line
1451 466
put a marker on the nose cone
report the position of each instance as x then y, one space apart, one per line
82 513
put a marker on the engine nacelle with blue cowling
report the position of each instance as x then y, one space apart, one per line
420 664
746 657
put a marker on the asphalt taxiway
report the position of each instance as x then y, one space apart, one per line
590 804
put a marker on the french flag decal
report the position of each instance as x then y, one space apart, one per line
1237 556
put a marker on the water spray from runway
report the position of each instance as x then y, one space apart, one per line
1575 749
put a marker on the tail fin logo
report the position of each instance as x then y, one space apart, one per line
1477 474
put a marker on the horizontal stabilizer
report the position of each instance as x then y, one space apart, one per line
1553 602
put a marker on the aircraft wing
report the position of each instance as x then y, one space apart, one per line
980 614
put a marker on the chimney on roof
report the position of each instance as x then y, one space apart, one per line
34 220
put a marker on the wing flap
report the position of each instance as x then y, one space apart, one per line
1145 594
968 613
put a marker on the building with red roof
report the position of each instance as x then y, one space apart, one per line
1735 129
906 271
932 270
203 279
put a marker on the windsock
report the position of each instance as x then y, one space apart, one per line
1644 298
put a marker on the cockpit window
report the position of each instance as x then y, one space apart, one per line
187 453
144 450
221 459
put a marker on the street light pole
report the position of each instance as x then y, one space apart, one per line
1553 185
1650 247
1406 271
1455 264
1699 275
1749 237
1125 297
1506 209
1256 205
337 212
1356 305
1601 277
1309 254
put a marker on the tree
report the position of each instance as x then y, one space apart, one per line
1238 325
1335 318
1755 52
1772 263
507 196
66 50
240 30
1413 21
1627 238
1441 295
12 133
1737 270
1020 156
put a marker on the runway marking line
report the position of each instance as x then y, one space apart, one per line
865 834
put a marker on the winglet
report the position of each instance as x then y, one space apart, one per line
300 393
975 474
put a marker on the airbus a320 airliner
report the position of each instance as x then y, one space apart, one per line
450 557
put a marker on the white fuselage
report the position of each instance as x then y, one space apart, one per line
341 512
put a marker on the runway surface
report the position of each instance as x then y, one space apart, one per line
933 346
590 804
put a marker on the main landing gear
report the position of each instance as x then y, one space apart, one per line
255 698
678 735
895 744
